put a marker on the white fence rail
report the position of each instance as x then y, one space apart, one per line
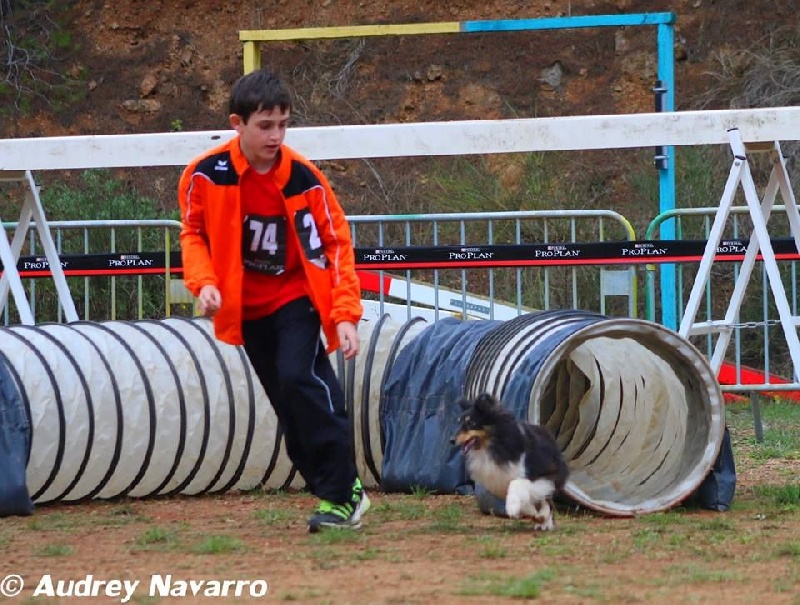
463 137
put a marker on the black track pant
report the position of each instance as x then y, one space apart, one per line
286 352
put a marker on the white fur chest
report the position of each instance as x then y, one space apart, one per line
491 475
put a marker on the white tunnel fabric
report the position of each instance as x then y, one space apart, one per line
144 408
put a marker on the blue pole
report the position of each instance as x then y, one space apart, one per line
666 173
666 98
569 22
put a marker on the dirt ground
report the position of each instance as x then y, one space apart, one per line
415 548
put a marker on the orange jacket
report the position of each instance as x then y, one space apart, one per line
211 236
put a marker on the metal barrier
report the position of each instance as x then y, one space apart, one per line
124 263
548 282
115 269
758 360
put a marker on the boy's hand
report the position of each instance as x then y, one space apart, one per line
209 300
348 339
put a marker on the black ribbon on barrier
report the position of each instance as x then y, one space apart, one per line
120 263
439 257
596 253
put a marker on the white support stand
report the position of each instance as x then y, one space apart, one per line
759 242
9 253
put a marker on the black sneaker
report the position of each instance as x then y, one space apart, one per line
347 515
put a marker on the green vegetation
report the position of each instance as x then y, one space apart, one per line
158 539
96 195
54 550
218 544
526 587
272 516
36 47
781 421
420 492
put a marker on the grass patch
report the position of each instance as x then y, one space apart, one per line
123 514
368 554
158 539
696 574
404 510
273 516
715 524
666 519
311 593
647 537
781 423
145 599
218 545
447 519
336 536
490 547
420 492
493 551
57 522
266 492
54 550
789 549
786 497
527 587
327 558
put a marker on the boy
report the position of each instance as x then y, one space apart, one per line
266 250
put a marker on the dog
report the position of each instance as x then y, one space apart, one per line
518 462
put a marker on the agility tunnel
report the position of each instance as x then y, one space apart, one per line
146 408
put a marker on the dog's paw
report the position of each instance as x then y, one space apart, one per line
543 519
517 498
513 506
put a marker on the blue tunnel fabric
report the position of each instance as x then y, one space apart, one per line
15 438
543 332
446 361
419 414
453 358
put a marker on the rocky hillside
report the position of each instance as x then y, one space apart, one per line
168 64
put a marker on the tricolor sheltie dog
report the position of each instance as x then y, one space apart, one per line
518 462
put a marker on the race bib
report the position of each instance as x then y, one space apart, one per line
264 244
309 238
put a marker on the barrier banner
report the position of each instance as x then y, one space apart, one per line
623 252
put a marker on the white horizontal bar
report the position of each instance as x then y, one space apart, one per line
417 139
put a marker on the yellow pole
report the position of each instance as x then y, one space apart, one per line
251 54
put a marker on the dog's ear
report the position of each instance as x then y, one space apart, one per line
485 402
464 403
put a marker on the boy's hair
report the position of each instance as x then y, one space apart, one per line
258 90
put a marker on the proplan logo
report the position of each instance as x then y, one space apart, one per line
470 254
556 251
130 260
732 247
384 255
40 262
646 249
222 165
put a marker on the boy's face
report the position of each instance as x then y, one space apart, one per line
261 137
